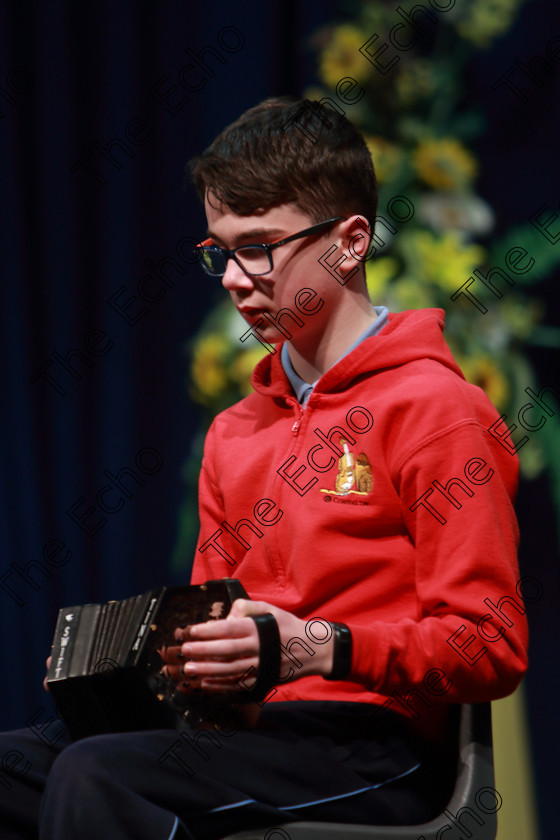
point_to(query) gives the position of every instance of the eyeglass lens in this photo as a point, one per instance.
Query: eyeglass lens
(253, 260)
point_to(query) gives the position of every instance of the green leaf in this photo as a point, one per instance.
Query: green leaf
(545, 255)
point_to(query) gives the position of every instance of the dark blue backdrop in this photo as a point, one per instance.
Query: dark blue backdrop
(96, 125)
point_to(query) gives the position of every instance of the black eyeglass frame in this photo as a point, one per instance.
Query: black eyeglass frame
(266, 247)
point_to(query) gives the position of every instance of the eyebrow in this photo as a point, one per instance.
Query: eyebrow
(257, 235)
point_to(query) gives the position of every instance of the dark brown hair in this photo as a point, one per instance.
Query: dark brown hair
(286, 151)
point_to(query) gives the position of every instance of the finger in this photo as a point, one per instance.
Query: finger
(224, 628)
(221, 685)
(182, 633)
(239, 609)
(236, 668)
(172, 655)
(173, 672)
(221, 649)
(48, 665)
(234, 653)
(243, 607)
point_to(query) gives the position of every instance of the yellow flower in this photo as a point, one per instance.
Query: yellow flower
(444, 260)
(208, 368)
(410, 293)
(486, 19)
(387, 158)
(482, 371)
(342, 57)
(416, 80)
(243, 365)
(379, 273)
(521, 316)
(444, 164)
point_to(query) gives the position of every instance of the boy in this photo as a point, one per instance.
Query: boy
(357, 495)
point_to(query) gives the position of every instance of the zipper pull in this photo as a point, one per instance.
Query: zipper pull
(297, 422)
(298, 411)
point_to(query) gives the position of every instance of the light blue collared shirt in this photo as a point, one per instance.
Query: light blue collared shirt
(303, 389)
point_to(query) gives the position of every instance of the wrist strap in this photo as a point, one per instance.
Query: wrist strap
(269, 655)
(342, 657)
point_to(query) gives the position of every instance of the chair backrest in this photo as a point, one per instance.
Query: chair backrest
(472, 806)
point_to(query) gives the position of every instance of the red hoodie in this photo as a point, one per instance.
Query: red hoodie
(384, 504)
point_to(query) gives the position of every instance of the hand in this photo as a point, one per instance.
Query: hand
(216, 655)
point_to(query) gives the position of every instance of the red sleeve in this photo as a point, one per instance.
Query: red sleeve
(471, 620)
(208, 564)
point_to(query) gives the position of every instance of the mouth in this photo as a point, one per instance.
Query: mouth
(251, 312)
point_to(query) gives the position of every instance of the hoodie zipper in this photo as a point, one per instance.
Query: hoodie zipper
(298, 411)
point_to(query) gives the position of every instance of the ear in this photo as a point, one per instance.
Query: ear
(358, 237)
(354, 238)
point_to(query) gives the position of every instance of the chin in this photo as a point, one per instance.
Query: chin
(266, 331)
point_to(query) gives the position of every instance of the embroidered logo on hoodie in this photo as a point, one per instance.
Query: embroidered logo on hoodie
(353, 478)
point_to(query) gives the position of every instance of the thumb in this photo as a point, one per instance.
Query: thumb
(243, 607)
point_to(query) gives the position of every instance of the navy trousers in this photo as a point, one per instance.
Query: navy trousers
(304, 760)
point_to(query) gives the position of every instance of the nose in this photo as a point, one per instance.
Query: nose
(235, 278)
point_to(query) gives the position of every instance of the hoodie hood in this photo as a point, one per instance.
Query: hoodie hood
(407, 337)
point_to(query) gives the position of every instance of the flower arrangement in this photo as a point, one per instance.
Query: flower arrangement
(420, 140)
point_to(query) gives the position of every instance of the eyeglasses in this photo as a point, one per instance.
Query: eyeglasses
(254, 260)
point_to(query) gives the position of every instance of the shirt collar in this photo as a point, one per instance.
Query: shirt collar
(303, 389)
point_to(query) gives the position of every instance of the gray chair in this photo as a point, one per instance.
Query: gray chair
(472, 806)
